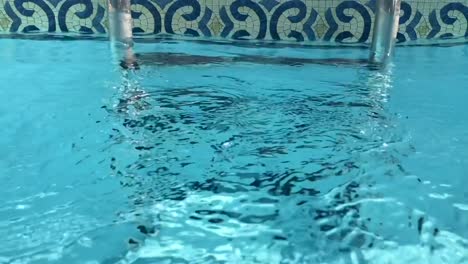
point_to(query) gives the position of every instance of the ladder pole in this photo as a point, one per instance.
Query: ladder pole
(386, 22)
(120, 32)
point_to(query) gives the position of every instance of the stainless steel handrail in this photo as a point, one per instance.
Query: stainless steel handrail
(386, 22)
(120, 32)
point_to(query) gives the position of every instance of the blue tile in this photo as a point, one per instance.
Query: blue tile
(203, 24)
(156, 16)
(269, 4)
(293, 19)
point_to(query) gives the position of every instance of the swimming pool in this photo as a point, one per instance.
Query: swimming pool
(288, 155)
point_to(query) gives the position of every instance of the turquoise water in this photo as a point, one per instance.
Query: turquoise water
(232, 161)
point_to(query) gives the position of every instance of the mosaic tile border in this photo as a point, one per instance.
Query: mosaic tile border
(343, 21)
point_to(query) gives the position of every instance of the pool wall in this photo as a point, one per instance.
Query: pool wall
(287, 20)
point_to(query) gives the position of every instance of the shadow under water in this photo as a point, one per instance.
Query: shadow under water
(182, 59)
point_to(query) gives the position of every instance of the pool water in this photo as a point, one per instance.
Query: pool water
(290, 155)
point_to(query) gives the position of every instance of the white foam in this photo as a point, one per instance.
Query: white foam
(463, 207)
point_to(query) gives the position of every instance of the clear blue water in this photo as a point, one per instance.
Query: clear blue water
(234, 162)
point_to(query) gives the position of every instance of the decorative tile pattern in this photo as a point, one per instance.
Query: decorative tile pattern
(433, 19)
(5, 21)
(344, 21)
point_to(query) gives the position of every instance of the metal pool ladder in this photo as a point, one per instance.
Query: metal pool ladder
(387, 14)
